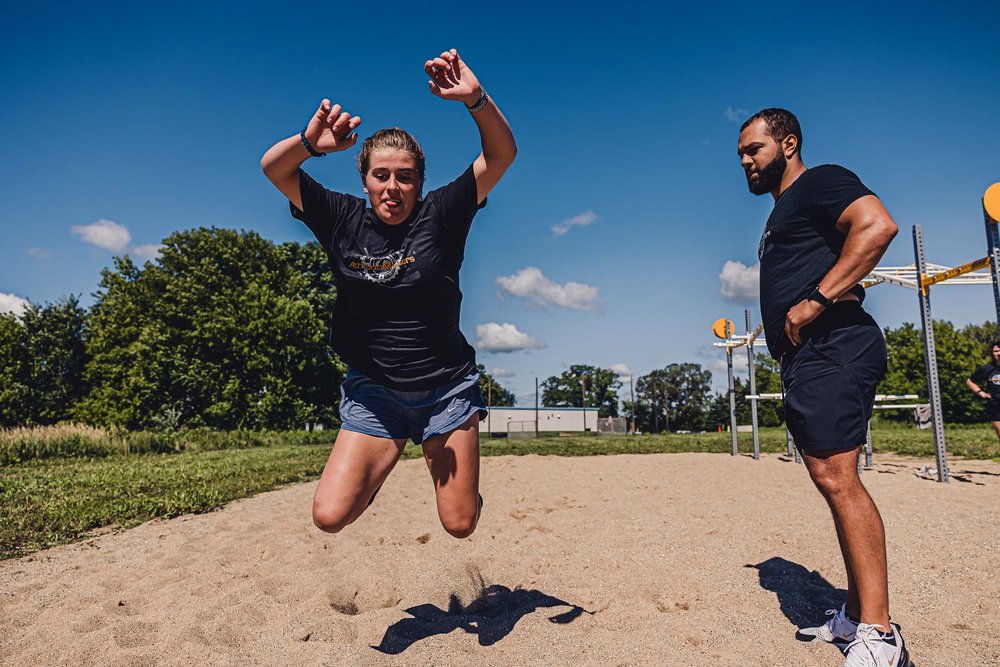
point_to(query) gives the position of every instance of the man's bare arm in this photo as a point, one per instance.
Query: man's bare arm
(869, 229)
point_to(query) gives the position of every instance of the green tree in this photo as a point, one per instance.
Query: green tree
(717, 413)
(984, 335)
(43, 357)
(767, 375)
(957, 353)
(493, 392)
(675, 397)
(15, 381)
(567, 390)
(224, 329)
(56, 358)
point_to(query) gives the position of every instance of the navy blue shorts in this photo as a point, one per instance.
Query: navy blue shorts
(830, 380)
(373, 409)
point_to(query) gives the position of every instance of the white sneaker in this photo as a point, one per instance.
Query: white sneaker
(838, 630)
(873, 648)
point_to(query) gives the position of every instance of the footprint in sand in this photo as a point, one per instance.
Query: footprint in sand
(341, 631)
(91, 624)
(349, 604)
(665, 606)
(132, 634)
(344, 604)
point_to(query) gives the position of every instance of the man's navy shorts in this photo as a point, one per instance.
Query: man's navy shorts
(373, 409)
(830, 380)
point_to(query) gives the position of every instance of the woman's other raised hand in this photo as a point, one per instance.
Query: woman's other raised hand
(330, 129)
(451, 78)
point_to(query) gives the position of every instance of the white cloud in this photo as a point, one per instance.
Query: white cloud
(501, 373)
(530, 283)
(149, 251)
(740, 364)
(11, 303)
(735, 115)
(104, 234)
(622, 370)
(740, 283)
(496, 337)
(40, 253)
(582, 220)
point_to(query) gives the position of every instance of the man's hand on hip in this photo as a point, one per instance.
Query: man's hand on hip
(801, 314)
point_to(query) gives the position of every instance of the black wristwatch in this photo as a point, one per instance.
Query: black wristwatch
(818, 297)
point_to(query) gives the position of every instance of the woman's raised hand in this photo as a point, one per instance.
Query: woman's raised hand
(330, 129)
(451, 78)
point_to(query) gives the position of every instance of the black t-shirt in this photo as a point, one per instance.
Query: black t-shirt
(398, 297)
(801, 243)
(987, 377)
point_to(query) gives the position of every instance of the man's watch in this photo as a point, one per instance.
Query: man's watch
(818, 297)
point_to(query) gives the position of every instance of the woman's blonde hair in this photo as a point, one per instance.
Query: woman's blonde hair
(394, 139)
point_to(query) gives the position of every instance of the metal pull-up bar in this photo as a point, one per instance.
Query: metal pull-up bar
(928, 280)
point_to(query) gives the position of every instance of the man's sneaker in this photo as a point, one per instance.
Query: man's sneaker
(873, 648)
(838, 630)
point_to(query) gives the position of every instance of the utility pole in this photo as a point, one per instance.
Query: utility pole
(666, 407)
(536, 407)
(489, 399)
(656, 412)
(583, 393)
(631, 389)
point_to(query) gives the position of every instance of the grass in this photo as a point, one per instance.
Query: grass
(61, 493)
(19, 445)
(971, 442)
(52, 502)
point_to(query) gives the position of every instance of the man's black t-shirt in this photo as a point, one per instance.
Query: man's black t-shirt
(987, 377)
(398, 298)
(801, 243)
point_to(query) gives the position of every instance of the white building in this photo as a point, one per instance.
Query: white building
(519, 420)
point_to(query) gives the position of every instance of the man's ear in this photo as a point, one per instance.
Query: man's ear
(790, 146)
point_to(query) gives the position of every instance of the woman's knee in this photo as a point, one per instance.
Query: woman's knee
(460, 527)
(332, 519)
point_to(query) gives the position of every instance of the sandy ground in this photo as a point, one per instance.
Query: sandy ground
(683, 559)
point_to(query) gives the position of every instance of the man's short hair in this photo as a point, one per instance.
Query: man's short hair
(780, 123)
(994, 344)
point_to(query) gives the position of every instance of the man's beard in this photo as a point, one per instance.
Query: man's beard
(769, 176)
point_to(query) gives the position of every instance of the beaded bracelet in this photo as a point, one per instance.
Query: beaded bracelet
(305, 142)
(480, 105)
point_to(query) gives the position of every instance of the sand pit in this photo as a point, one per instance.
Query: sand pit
(684, 559)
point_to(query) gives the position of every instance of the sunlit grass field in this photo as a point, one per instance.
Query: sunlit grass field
(60, 484)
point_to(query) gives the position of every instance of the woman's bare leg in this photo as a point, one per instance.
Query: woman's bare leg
(453, 460)
(357, 467)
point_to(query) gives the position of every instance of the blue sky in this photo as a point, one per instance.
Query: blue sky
(626, 118)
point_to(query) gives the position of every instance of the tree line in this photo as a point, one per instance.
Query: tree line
(229, 330)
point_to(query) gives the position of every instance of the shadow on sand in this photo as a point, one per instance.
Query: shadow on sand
(804, 596)
(492, 615)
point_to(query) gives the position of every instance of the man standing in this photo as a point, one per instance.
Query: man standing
(826, 233)
(989, 375)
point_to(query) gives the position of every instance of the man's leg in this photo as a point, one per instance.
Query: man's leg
(859, 529)
(853, 604)
(996, 428)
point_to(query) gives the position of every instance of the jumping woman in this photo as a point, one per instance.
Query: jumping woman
(395, 257)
